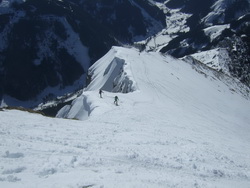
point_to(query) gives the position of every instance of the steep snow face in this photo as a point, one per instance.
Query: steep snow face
(194, 26)
(180, 126)
(214, 31)
(164, 80)
(222, 8)
(217, 59)
(176, 22)
(112, 73)
(218, 12)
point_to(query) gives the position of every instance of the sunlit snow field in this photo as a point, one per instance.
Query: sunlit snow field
(177, 127)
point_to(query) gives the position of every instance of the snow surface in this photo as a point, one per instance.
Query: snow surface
(214, 31)
(175, 19)
(175, 127)
(158, 41)
(217, 59)
(175, 23)
(217, 14)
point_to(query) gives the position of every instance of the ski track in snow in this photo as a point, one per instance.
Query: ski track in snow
(175, 130)
(115, 153)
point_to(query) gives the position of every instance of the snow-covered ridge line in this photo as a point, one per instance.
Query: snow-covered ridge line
(215, 71)
(181, 127)
(217, 59)
(214, 31)
(112, 73)
(124, 70)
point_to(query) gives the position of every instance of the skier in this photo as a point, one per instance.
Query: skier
(116, 101)
(100, 92)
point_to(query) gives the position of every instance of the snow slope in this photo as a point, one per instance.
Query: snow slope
(214, 31)
(175, 126)
(217, 59)
(217, 13)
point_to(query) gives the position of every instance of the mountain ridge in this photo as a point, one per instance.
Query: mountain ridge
(177, 124)
(48, 56)
(42, 45)
(119, 72)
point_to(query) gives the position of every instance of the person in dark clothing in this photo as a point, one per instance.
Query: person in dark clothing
(100, 93)
(116, 101)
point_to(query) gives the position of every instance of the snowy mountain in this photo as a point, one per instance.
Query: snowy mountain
(177, 124)
(115, 73)
(184, 101)
(47, 46)
(42, 51)
(198, 26)
(130, 21)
